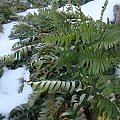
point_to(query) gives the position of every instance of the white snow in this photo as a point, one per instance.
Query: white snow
(5, 43)
(31, 11)
(66, 7)
(93, 9)
(9, 85)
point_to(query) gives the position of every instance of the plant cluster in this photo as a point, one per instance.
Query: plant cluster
(72, 61)
(37, 25)
(9, 8)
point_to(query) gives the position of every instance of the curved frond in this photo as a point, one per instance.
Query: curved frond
(51, 87)
(17, 55)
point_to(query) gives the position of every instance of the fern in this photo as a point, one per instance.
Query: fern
(72, 67)
(47, 109)
(51, 87)
(20, 112)
(16, 55)
(105, 106)
(22, 31)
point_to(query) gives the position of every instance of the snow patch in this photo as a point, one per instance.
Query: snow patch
(9, 84)
(31, 11)
(93, 9)
(5, 43)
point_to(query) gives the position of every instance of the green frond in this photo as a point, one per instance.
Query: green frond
(72, 61)
(34, 96)
(48, 109)
(53, 86)
(26, 42)
(108, 38)
(96, 61)
(20, 112)
(105, 107)
(108, 85)
(22, 31)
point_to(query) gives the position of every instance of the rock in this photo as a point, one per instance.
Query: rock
(116, 11)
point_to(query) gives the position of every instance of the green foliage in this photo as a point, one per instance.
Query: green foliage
(5, 11)
(9, 8)
(22, 31)
(74, 64)
(20, 6)
(20, 112)
(103, 104)
(37, 25)
(45, 21)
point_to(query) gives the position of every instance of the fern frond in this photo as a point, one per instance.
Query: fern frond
(48, 109)
(17, 55)
(103, 105)
(96, 61)
(108, 38)
(26, 42)
(23, 31)
(51, 87)
(108, 85)
(20, 112)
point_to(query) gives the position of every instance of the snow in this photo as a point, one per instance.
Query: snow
(5, 43)
(66, 7)
(9, 85)
(31, 11)
(93, 9)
